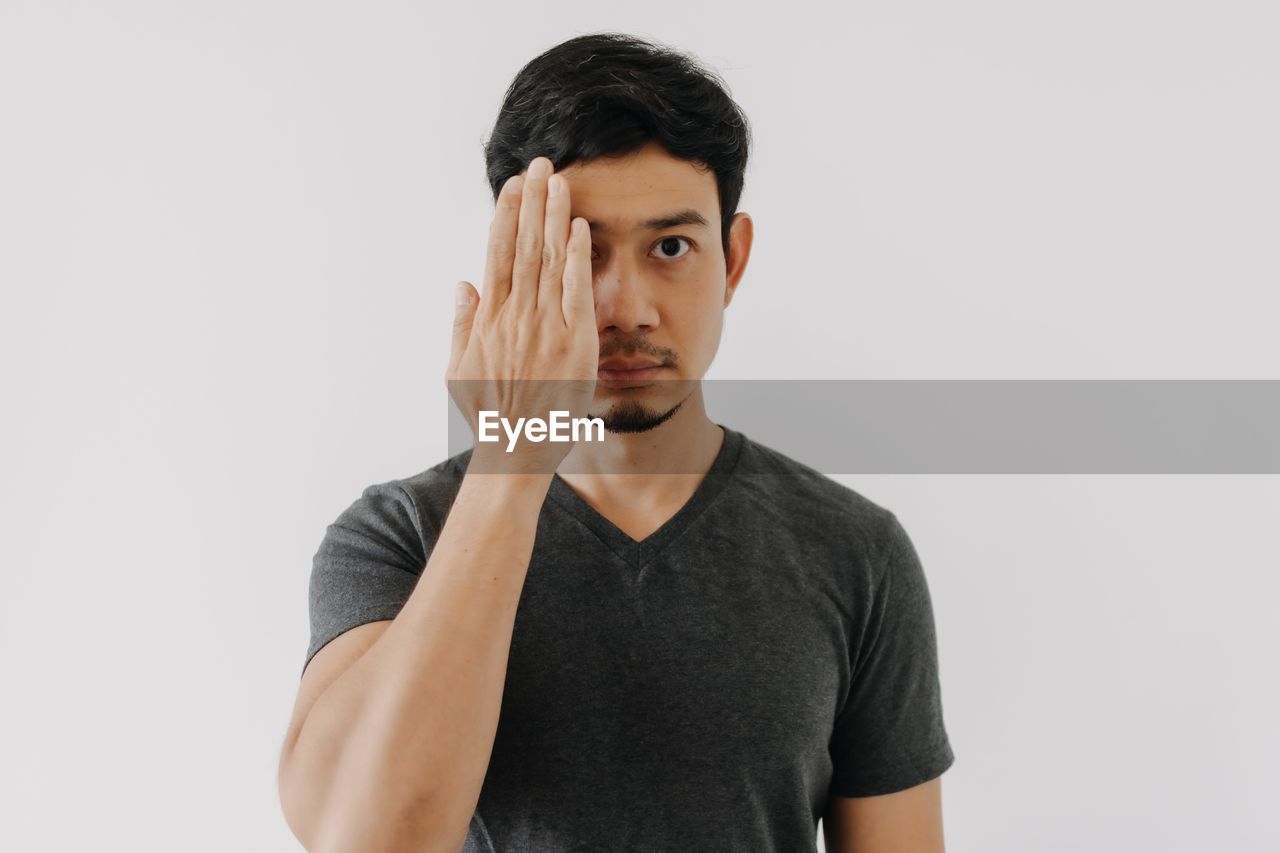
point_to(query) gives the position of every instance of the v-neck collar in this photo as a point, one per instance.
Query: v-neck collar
(639, 552)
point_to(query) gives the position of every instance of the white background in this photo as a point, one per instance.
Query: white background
(228, 236)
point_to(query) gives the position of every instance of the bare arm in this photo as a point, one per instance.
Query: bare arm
(908, 821)
(395, 722)
(396, 747)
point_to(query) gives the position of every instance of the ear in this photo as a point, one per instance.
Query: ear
(741, 231)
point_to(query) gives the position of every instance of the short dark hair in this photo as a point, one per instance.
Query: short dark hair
(610, 94)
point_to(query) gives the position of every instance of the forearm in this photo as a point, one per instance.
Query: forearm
(395, 751)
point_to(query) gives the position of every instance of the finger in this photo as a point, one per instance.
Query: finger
(464, 315)
(555, 237)
(528, 263)
(501, 252)
(579, 302)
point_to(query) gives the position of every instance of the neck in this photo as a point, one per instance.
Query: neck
(665, 458)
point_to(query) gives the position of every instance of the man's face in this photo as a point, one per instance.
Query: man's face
(660, 288)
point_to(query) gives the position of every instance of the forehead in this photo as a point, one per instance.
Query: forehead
(620, 193)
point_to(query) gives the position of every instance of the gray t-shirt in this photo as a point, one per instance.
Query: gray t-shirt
(703, 689)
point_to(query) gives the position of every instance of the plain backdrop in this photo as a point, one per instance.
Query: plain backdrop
(228, 236)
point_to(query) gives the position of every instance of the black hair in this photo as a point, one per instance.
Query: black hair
(610, 94)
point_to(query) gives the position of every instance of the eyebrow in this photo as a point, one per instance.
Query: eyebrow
(658, 223)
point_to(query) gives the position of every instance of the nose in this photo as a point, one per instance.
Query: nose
(624, 299)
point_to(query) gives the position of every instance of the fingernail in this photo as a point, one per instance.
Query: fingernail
(554, 185)
(461, 294)
(513, 185)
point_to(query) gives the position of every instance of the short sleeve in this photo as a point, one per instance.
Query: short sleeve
(367, 565)
(890, 734)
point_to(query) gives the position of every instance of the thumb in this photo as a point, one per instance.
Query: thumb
(465, 300)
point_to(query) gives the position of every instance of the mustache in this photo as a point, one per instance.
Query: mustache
(637, 346)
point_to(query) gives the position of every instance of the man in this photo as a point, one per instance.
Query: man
(557, 648)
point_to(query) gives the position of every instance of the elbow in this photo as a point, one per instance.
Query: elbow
(298, 804)
(321, 829)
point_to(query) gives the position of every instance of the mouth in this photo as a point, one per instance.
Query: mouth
(624, 373)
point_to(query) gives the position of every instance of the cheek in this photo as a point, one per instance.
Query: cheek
(696, 313)
(692, 302)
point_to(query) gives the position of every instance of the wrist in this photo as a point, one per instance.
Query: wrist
(535, 466)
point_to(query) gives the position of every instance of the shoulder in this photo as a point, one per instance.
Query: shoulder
(405, 508)
(430, 493)
(795, 494)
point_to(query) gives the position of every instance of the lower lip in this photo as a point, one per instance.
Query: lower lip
(642, 374)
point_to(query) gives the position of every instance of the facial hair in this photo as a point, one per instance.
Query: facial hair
(631, 416)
